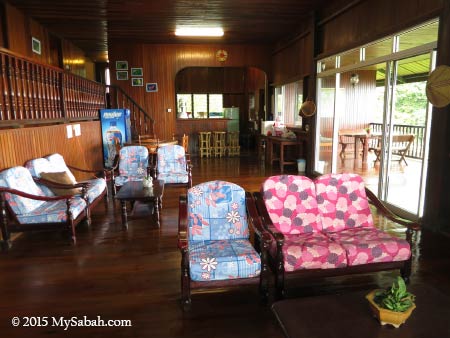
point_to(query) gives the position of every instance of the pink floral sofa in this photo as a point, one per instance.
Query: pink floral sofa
(325, 226)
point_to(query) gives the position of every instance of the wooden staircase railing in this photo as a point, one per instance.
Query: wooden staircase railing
(141, 122)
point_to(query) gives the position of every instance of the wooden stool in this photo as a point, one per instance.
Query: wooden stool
(219, 146)
(233, 143)
(204, 143)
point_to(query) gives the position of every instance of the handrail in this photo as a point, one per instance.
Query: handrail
(141, 122)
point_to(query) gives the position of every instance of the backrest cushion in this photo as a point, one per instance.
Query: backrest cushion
(19, 178)
(171, 159)
(291, 203)
(58, 164)
(133, 161)
(216, 211)
(342, 202)
(36, 167)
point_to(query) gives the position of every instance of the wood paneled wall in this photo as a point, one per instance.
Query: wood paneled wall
(369, 20)
(20, 145)
(161, 63)
(19, 31)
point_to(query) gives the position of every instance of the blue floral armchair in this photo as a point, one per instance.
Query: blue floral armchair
(213, 231)
(173, 166)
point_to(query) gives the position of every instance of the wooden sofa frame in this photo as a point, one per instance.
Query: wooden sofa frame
(9, 222)
(278, 266)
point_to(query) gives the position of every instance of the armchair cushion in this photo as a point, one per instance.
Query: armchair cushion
(223, 259)
(217, 211)
(171, 164)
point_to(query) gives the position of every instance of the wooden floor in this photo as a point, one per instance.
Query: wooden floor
(134, 275)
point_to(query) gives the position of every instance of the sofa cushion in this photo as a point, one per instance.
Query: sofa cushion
(174, 177)
(58, 164)
(342, 202)
(223, 259)
(365, 245)
(61, 178)
(311, 251)
(216, 211)
(133, 163)
(19, 178)
(291, 203)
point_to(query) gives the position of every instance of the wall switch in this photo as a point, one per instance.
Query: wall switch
(169, 110)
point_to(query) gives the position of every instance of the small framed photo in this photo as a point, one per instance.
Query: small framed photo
(36, 45)
(137, 81)
(151, 87)
(136, 71)
(121, 65)
(122, 75)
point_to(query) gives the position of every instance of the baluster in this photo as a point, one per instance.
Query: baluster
(6, 108)
(28, 71)
(18, 85)
(36, 94)
(23, 76)
(45, 82)
(12, 89)
(42, 110)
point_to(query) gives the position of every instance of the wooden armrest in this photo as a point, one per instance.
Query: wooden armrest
(182, 223)
(266, 221)
(35, 197)
(255, 220)
(373, 199)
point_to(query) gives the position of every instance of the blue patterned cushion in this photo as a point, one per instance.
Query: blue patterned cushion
(172, 163)
(226, 259)
(96, 187)
(58, 164)
(132, 165)
(216, 211)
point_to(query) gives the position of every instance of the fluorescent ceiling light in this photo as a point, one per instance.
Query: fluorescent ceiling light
(199, 31)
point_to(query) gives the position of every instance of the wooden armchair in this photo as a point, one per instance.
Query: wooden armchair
(173, 166)
(214, 240)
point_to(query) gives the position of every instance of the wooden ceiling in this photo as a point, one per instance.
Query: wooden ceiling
(91, 24)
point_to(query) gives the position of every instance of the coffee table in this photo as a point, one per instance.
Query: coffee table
(135, 191)
(349, 316)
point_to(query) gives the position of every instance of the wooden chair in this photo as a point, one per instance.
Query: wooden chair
(185, 143)
(214, 240)
(400, 146)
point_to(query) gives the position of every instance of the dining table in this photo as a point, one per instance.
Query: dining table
(361, 137)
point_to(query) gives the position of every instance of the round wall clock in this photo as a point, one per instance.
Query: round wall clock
(221, 55)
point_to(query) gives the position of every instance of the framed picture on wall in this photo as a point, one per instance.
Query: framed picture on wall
(36, 45)
(122, 75)
(136, 71)
(151, 87)
(121, 65)
(137, 82)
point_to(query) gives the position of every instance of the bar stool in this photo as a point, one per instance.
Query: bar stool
(219, 146)
(204, 143)
(233, 143)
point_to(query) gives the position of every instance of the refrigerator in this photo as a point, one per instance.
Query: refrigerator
(232, 114)
(116, 131)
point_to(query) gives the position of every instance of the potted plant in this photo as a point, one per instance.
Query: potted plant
(147, 182)
(393, 305)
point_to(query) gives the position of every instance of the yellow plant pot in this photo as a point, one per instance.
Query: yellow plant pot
(386, 316)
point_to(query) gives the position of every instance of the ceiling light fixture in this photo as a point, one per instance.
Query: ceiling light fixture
(199, 31)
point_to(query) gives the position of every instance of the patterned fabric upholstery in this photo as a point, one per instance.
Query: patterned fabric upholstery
(55, 163)
(291, 203)
(342, 202)
(133, 163)
(172, 164)
(218, 233)
(327, 223)
(369, 245)
(34, 211)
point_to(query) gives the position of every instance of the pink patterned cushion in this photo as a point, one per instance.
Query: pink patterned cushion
(368, 245)
(312, 251)
(291, 203)
(342, 202)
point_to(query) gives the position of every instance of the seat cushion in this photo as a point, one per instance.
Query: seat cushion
(180, 177)
(311, 251)
(365, 245)
(291, 203)
(223, 259)
(96, 187)
(342, 202)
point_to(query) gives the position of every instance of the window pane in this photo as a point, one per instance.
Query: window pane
(419, 36)
(184, 106)
(350, 58)
(200, 106)
(380, 48)
(216, 105)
